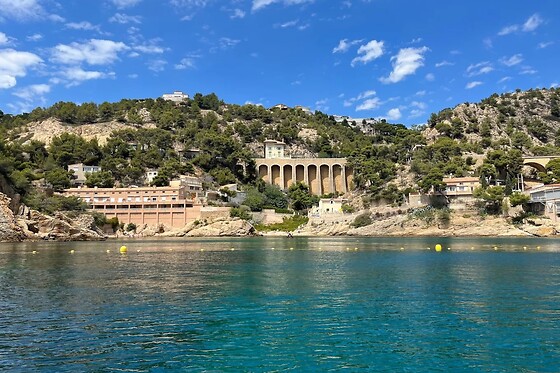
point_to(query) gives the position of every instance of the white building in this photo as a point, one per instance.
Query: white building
(176, 96)
(151, 175)
(191, 184)
(328, 206)
(274, 149)
(80, 171)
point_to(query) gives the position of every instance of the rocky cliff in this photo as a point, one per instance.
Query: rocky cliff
(32, 225)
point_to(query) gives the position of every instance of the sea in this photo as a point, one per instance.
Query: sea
(278, 304)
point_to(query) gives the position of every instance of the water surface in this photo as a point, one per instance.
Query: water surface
(277, 304)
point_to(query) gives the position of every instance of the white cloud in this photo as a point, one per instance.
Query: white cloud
(369, 52)
(366, 94)
(444, 63)
(471, 85)
(157, 65)
(513, 60)
(224, 44)
(504, 79)
(94, 52)
(14, 64)
(488, 43)
(418, 104)
(369, 104)
(259, 4)
(480, 68)
(405, 63)
(430, 77)
(189, 3)
(288, 24)
(394, 114)
(508, 30)
(151, 47)
(34, 37)
(188, 62)
(33, 92)
(527, 70)
(532, 23)
(125, 18)
(344, 45)
(76, 75)
(543, 45)
(3, 39)
(421, 93)
(237, 13)
(125, 3)
(84, 25)
(24, 10)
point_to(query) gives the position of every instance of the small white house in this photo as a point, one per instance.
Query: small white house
(274, 149)
(328, 206)
(176, 96)
(80, 170)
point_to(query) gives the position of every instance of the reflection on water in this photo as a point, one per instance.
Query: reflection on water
(262, 304)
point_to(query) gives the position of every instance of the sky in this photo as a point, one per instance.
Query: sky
(398, 60)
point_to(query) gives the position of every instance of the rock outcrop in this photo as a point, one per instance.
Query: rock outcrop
(9, 229)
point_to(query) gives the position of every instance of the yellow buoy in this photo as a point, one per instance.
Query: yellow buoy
(72, 251)
(108, 251)
(495, 248)
(438, 247)
(34, 252)
(448, 248)
(232, 249)
(123, 249)
(538, 247)
(355, 249)
(201, 249)
(291, 248)
(320, 248)
(402, 248)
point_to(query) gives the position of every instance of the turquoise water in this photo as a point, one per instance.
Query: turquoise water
(326, 305)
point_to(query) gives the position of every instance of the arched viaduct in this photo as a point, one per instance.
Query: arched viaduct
(539, 162)
(322, 175)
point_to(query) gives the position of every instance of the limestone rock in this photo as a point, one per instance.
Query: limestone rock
(222, 227)
(9, 229)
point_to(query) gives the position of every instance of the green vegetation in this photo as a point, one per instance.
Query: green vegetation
(288, 225)
(362, 220)
(500, 130)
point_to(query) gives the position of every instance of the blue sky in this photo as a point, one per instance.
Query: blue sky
(400, 60)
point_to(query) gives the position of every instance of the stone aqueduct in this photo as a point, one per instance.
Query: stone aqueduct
(322, 175)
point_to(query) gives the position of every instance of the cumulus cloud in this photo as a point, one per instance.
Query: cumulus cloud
(125, 3)
(34, 37)
(480, 68)
(259, 4)
(30, 92)
(531, 24)
(25, 10)
(76, 75)
(188, 62)
(513, 60)
(394, 114)
(93, 52)
(123, 19)
(471, 85)
(14, 64)
(369, 52)
(322, 105)
(369, 104)
(344, 45)
(84, 25)
(405, 63)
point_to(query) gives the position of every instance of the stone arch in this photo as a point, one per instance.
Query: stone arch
(539, 167)
(288, 176)
(276, 173)
(314, 182)
(338, 176)
(300, 173)
(349, 175)
(325, 179)
(263, 172)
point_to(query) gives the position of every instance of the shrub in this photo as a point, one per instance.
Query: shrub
(130, 227)
(242, 212)
(362, 220)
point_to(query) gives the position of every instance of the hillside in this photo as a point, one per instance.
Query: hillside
(206, 137)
